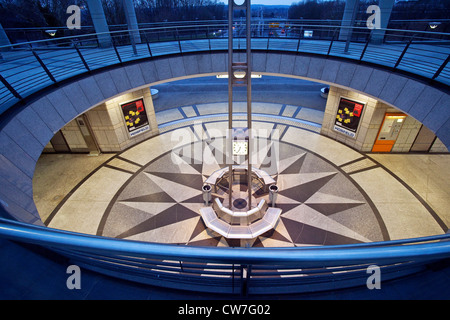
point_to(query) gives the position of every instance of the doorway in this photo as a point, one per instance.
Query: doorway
(59, 143)
(389, 131)
(424, 140)
(88, 135)
(76, 137)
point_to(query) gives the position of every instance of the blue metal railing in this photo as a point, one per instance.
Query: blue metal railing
(236, 270)
(26, 68)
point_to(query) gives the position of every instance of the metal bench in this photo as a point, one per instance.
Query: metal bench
(268, 221)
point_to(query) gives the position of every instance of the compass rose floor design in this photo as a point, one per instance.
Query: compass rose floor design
(320, 205)
(329, 194)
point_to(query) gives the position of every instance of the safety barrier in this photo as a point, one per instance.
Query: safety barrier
(26, 68)
(237, 270)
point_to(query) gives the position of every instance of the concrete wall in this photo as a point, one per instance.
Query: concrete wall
(365, 134)
(24, 135)
(370, 123)
(108, 125)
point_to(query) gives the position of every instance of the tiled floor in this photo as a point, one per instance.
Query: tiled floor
(329, 193)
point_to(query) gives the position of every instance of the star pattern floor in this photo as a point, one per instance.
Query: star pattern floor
(321, 206)
(329, 193)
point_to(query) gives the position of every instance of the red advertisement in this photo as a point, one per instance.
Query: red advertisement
(347, 117)
(135, 117)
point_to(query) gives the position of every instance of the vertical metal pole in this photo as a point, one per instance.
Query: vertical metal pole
(249, 102)
(230, 98)
(240, 82)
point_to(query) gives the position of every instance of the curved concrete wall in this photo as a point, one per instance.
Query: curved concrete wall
(24, 136)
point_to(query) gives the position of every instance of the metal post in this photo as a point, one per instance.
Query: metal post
(148, 45)
(366, 45)
(206, 193)
(438, 72)
(10, 88)
(403, 52)
(81, 56)
(273, 193)
(117, 51)
(230, 99)
(43, 65)
(249, 102)
(243, 82)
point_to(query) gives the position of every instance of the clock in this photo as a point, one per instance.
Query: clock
(240, 147)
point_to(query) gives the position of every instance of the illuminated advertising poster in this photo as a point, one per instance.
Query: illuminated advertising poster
(348, 116)
(135, 117)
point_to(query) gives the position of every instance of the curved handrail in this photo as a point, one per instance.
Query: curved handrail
(418, 249)
(418, 53)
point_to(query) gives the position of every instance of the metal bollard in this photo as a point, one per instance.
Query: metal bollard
(206, 189)
(273, 193)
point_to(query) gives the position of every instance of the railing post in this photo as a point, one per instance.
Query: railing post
(299, 39)
(148, 45)
(242, 281)
(403, 52)
(245, 277)
(247, 280)
(177, 37)
(181, 266)
(443, 65)
(232, 279)
(117, 52)
(10, 88)
(365, 47)
(43, 65)
(81, 56)
(332, 41)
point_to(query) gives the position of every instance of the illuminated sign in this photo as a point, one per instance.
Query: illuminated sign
(348, 116)
(135, 117)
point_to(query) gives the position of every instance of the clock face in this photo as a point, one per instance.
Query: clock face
(240, 147)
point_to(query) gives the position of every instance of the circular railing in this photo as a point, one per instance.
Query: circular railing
(28, 67)
(237, 270)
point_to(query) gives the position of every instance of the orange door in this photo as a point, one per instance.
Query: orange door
(389, 130)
